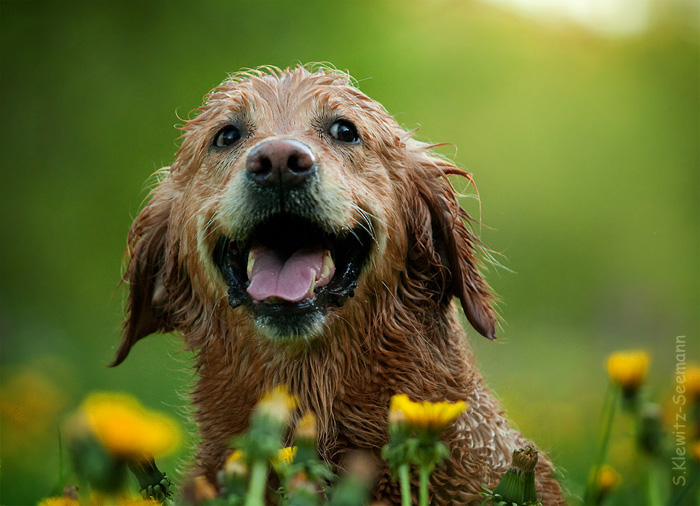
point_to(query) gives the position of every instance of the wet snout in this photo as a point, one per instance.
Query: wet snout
(280, 163)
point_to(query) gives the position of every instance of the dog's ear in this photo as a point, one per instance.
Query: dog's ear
(145, 275)
(443, 247)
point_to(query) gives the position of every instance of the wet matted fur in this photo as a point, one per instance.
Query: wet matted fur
(275, 159)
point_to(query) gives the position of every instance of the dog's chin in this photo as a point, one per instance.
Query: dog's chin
(291, 329)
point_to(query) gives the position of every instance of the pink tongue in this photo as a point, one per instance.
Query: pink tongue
(290, 279)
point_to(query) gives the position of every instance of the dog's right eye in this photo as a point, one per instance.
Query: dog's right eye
(227, 136)
(344, 131)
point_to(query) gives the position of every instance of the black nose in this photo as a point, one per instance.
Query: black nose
(280, 162)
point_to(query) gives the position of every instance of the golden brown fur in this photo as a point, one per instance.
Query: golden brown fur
(399, 333)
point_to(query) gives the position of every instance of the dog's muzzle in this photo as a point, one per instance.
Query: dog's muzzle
(293, 265)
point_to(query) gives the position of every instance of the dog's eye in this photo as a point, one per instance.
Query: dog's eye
(227, 136)
(344, 131)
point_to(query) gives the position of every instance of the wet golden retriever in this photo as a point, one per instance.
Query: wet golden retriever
(302, 237)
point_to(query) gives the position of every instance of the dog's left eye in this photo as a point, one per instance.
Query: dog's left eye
(344, 131)
(227, 136)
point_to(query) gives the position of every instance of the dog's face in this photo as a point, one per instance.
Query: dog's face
(293, 192)
(293, 213)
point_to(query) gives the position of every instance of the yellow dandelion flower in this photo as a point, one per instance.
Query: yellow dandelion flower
(285, 456)
(300, 486)
(127, 429)
(628, 369)
(235, 455)
(203, 490)
(59, 501)
(431, 416)
(695, 450)
(608, 480)
(396, 416)
(278, 403)
(280, 394)
(29, 405)
(306, 427)
(136, 501)
(692, 382)
(142, 502)
(235, 464)
(100, 499)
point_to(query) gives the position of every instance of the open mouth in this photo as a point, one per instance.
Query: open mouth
(291, 266)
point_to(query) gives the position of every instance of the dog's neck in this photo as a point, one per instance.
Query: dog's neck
(346, 377)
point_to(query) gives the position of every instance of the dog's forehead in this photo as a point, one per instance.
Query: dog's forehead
(290, 94)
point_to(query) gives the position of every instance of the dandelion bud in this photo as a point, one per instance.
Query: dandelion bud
(277, 404)
(91, 461)
(692, 383)
(607, 481)
(233, 477)
(525, 459)
(302, 492)
(353, 488)
(203, 490)
(299, 480)
(306, 427)
(695, 450)
(284, 457)
(396, 417)
(235, 464)
(361, 466)
(70, 491)
(518, 484)
(268, 423)
(398, 429)
(650, 429)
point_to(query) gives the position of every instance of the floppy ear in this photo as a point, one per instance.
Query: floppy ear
(145, 274)
(444, 245)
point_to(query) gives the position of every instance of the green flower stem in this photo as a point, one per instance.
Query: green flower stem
(607, 419)
(643, 431)
(424, 481)
(405, 480)
(258, 482)
(683, 494)
(61, 479)
(653, 485)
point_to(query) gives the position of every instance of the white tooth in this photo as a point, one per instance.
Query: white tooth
(251, 261)
(310, 293)
(327, 263)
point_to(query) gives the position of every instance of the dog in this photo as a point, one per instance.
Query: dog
(302, 237)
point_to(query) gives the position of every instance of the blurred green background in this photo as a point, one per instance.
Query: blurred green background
(584, 144)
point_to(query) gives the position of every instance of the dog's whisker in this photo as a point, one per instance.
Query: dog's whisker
(371, 218)
(204, 204)
(208, 227)
(366, 223)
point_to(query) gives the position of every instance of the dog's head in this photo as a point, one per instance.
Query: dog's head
(291, 192)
